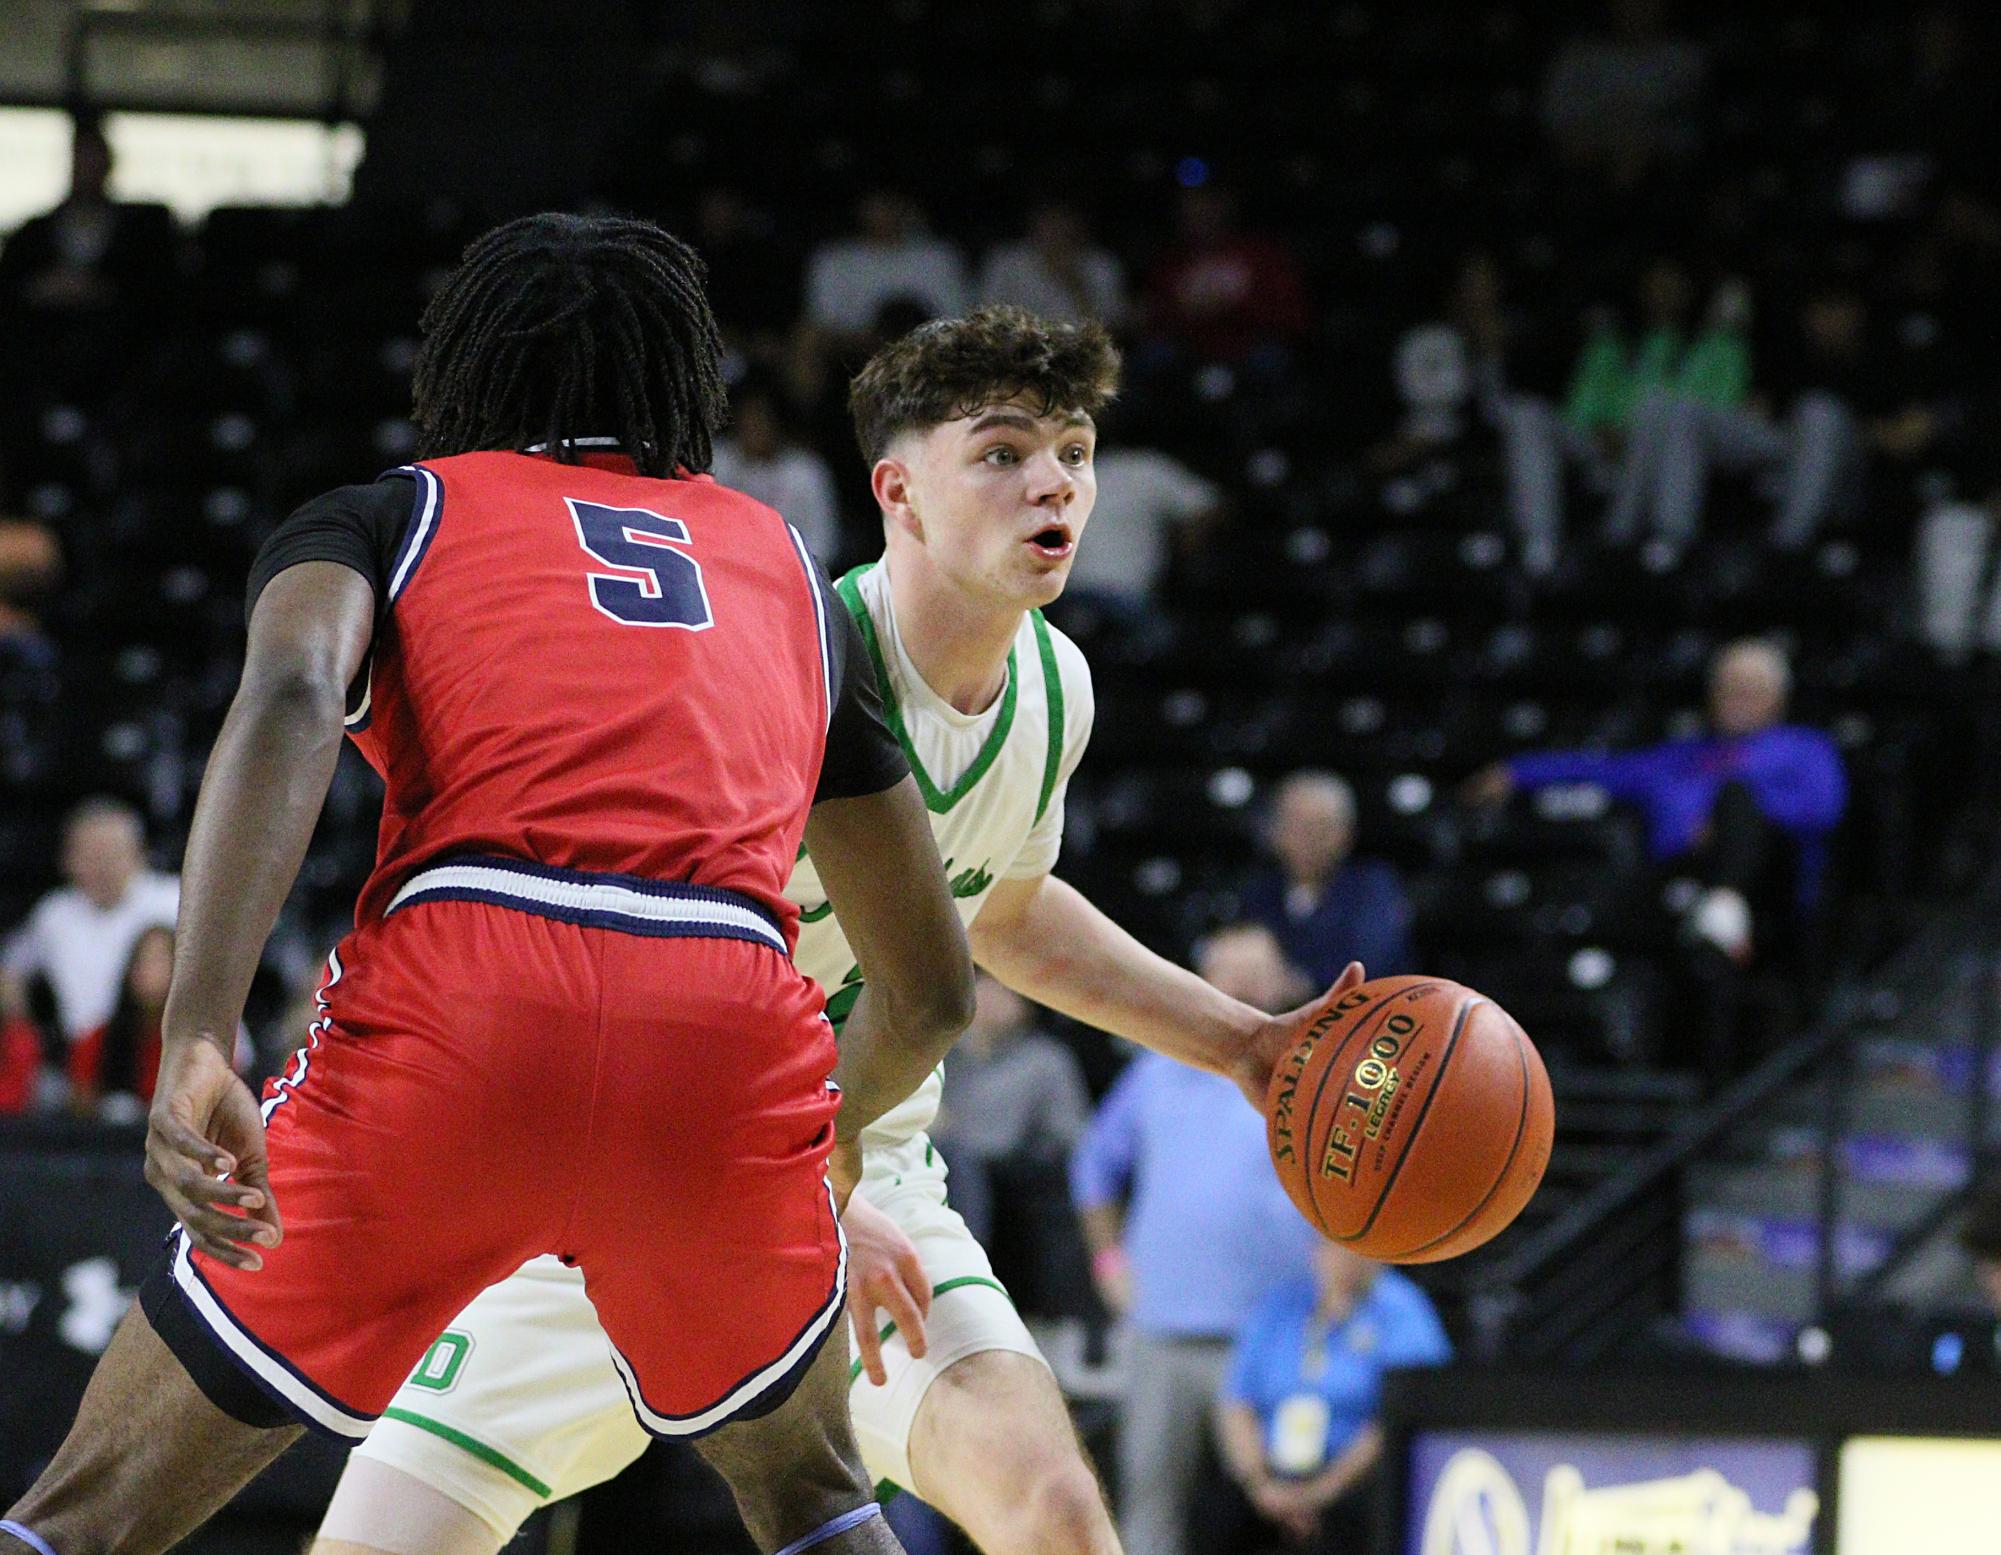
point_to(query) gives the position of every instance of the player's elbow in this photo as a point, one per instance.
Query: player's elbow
(949, 1009)
(292, 690)
(937, 1004)
(957, 1011)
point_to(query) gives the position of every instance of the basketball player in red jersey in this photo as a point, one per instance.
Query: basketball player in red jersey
(604, 694)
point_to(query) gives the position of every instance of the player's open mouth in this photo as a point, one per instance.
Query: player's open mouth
(1053, 542)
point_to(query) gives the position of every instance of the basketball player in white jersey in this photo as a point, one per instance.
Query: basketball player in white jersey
(980, 438)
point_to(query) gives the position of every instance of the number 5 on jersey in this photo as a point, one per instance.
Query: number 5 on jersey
(655, 584)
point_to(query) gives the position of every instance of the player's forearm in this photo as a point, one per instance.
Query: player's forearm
(888, 1050)
(1062, 952)
(260, 799)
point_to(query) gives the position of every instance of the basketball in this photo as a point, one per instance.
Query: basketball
(1412, 1120)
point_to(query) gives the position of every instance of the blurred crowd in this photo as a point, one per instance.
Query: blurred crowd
(1658, 360)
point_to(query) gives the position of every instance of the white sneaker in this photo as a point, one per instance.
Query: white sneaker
(1723, 917)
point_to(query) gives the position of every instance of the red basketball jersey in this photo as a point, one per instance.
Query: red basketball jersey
(587, 669)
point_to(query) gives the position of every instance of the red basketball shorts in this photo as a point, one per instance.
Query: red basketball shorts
(518, 1061)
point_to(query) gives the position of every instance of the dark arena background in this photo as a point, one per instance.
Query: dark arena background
(1491, 370)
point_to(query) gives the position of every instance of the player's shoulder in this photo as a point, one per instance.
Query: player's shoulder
(389, 490)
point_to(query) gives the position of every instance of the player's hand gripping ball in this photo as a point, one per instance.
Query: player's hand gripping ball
(1412, 1120)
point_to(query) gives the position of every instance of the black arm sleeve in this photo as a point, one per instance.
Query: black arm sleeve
(862, 755)
(357, 526)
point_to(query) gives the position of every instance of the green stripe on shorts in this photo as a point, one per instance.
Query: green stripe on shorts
(855, 1370)
(479, 1450)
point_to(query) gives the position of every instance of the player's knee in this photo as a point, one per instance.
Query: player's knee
(1063, 1509)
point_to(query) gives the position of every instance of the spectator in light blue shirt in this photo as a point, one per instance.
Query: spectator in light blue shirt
(1206, 1232)
(1297, 1419)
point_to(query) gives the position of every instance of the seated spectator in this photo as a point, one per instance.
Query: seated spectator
(1747, 810)
(1325, 906)
(1479, 310)
(892, 258)
(1619, 103)
(1471, 366)
(113, 1068)
(1205, 1233)
(1222, 294)
(759, 457)
(1432, 370)
(1297, 1422)
(1149, 505)
(1667, 356)
(1806, 433)
(1057, 272)
(1012, 1095)
(87, 252)
(1719, 804)
(1957, 582)
(80, 937)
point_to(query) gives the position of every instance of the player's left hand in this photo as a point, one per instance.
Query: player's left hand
(884, 1273)
(1274, 1039)
(205, 1155)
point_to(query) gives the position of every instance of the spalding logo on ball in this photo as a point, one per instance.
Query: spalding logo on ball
(1412, 1120)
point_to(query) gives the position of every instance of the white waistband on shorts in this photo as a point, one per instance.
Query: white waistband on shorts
(661, 909)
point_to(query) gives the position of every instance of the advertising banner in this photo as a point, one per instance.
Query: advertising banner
(79, 1229)
(1906, 1495)
(1532, 1493)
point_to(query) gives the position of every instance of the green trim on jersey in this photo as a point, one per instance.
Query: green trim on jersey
(479, 1450)
(938, 1290)
(937, 800)
(1052, 696)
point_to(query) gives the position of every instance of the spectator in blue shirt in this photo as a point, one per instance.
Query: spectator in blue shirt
(1325, 906)
(1719, 804)
(1205, 1233)
(1297, 1419)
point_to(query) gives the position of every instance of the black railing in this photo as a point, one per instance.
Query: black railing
(1606, 1267)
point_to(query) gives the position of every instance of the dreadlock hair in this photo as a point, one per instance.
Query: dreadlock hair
(556, 327)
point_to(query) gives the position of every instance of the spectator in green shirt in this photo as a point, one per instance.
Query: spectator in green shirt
(1616, 372)
(1668, 355)
(1802, 439)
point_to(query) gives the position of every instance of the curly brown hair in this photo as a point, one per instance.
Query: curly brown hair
(950, 368)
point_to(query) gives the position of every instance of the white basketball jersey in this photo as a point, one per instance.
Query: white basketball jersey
(994, 782)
